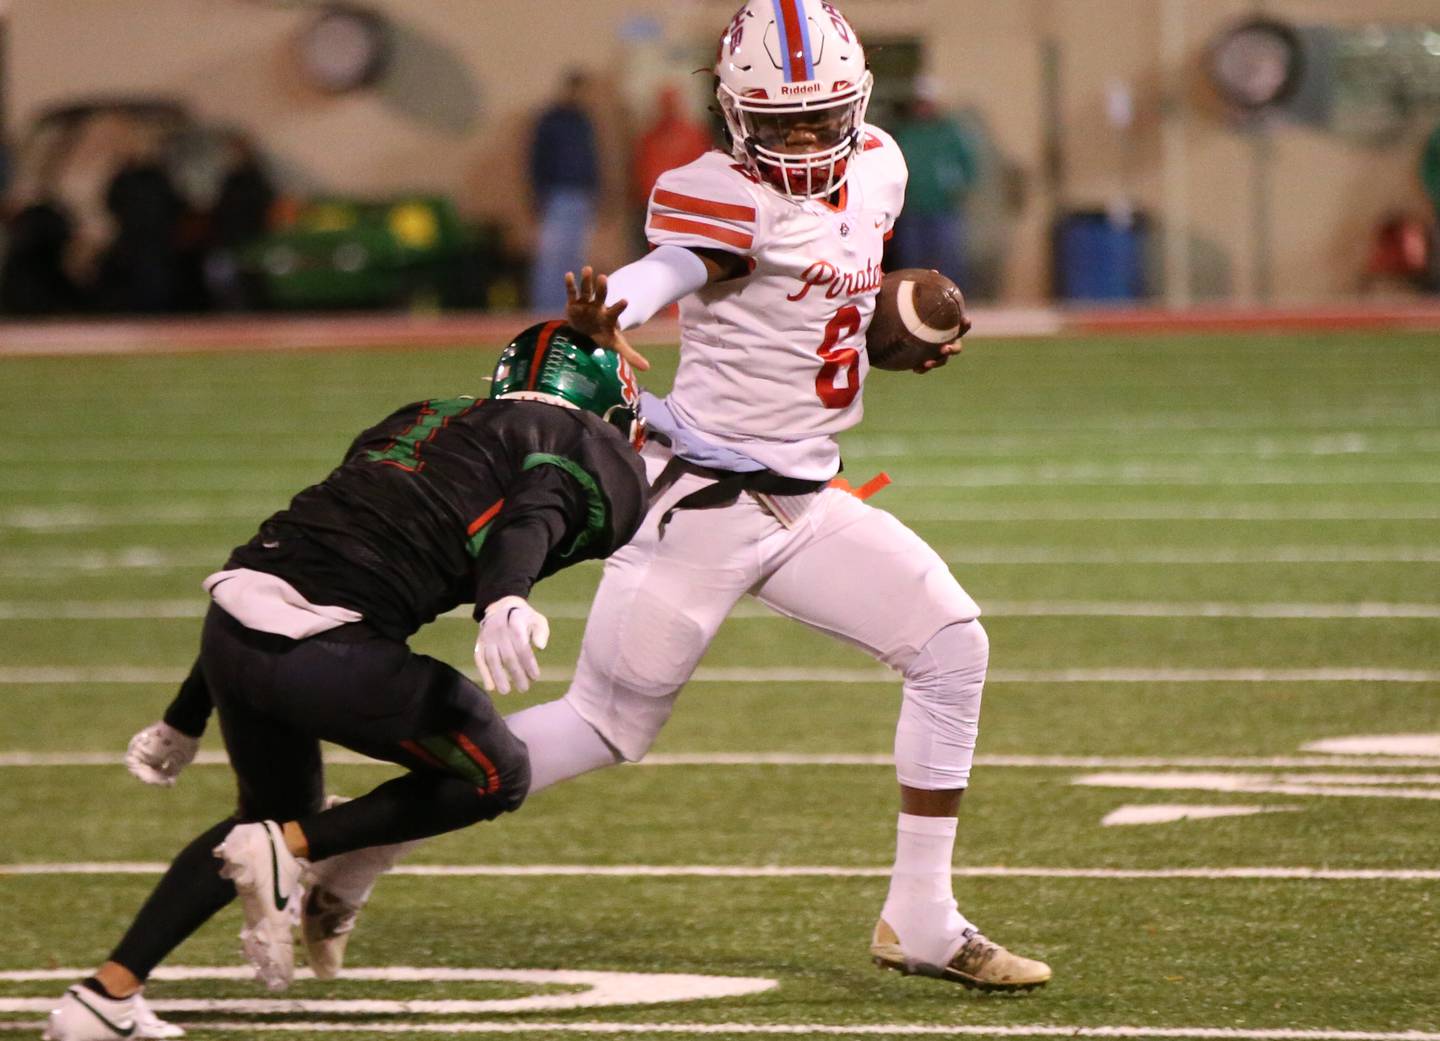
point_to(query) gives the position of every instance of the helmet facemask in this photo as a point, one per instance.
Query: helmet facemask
(800, 148)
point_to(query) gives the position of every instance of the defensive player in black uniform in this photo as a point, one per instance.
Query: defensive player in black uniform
(445, 502)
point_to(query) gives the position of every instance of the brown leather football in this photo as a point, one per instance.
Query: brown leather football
(916, 313)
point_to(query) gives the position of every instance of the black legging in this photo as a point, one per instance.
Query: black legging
(277, 699)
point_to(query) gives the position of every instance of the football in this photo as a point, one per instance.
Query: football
(917, 312)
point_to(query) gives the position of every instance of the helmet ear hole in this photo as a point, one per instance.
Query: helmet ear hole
(626, 420)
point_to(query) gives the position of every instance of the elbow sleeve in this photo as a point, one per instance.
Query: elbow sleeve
(655, 281)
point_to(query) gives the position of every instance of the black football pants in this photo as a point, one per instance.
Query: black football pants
(277, 699)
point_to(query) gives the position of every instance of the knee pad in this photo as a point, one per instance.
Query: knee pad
(512, 767)
(950, 661)
(940, 713)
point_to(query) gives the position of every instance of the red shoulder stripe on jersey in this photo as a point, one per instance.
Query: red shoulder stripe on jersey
(704, 207)
(541, 343)
(871, 141)
(739, 239)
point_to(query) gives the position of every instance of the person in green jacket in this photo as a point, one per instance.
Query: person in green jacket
(944, 164)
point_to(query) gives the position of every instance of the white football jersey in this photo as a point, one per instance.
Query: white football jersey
(771, 364)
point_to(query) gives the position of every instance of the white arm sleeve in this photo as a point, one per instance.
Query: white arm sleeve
(654, 281)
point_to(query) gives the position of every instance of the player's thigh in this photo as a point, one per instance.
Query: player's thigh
(858, 573)
(278, 769)
(660, 602)
(375, 696)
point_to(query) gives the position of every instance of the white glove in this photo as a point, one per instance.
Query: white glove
(159, 752)
(502, 650)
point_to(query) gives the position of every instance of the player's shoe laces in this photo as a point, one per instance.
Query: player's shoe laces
(267, 878)
(979, 964)
(84, 1015)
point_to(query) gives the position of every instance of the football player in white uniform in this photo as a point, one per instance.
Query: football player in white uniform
(773, 252)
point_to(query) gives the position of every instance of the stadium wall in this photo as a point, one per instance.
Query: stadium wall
(1289, 220)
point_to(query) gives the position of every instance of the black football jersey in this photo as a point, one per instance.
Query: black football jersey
(448, 502)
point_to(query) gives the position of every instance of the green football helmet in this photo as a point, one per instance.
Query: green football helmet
(555, 363)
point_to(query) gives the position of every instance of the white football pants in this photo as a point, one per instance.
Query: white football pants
(846, 569)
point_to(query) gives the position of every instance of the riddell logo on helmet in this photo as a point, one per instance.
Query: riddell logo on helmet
(789, 91)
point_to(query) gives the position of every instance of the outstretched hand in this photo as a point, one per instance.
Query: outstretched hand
(585, 311)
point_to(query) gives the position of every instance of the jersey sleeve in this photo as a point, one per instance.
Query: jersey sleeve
(545, 510)
(563, 509)
(706, 204)
(190, 710)
(879, 148)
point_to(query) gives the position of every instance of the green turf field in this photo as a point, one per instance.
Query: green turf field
(1197, 556)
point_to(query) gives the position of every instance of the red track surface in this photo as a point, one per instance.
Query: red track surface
(358, 331)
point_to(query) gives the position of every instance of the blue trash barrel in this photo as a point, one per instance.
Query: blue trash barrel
(1098, 258)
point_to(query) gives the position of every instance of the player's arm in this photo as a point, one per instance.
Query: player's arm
(545, 511)
(158, 753)
(704, 225)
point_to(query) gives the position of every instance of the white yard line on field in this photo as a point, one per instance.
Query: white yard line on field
(594, 989)
(1128, 475)
(939, 474)
(1283, 874)
(1003, 555)
(85, 518)
(794, 1030)
(109, 675)
(339, 756)
(575, 610)
(21, 564)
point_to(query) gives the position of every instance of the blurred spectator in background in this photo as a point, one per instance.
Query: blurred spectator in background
(943, 165)
(34, 280)
(141, 271)
(239, 216)
(565, 181)
(1430, 177)
(40, 231)
(672, 140)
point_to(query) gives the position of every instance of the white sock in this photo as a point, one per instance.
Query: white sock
(921, 904)
(352, 876)
(562, 745)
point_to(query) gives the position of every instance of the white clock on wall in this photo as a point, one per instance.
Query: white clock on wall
(344, 48)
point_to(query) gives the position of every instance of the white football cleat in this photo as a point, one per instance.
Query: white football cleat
(979, 964)
(267, 878)
(339, 887)
(149, 1025)
(325, 925)
(83, 1015)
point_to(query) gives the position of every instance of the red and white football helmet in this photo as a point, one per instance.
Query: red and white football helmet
(793, 88)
